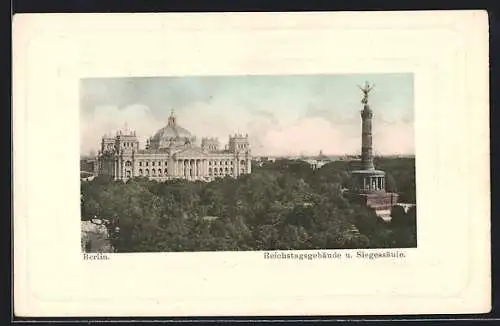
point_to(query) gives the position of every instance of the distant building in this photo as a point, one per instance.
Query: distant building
(89, 165)
(171, 153)
(86, 176)
(316, 164)
(349, 158)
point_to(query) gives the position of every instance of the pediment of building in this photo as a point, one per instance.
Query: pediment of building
(189, 153)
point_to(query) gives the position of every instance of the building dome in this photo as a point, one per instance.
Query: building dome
(171, 133)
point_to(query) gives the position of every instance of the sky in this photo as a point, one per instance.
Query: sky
(282, 114)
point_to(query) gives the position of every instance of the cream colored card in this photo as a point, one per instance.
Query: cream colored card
(446, 52)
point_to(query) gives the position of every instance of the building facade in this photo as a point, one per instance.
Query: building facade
(171, 153)
(315, 164)
(88, 165)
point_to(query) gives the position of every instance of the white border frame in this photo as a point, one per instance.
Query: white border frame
(449, 272)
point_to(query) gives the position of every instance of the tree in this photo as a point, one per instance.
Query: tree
(372, 226)
(412, 216)
(90, 208)
(398, 216)
(404, 227)
(281, 205)
(391, 185)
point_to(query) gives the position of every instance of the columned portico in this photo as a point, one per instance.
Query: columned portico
(192, 168)
(369, 180)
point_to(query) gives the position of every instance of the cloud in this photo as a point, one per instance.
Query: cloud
(268, 134)
(270, 116)
(396, 137)
(280, 118)
(210, 119)
(308, 136)
(108, 119)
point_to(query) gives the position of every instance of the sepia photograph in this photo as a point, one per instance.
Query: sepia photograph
(243, 163)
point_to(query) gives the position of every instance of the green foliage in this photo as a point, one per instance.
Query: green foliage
(404, 226)
(400, 176)
(281, 205)
(398, 215)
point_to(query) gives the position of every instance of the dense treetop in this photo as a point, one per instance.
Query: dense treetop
(280, 205)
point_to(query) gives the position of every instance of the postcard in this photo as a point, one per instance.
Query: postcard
(251, 164)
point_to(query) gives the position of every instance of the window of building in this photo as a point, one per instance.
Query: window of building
(153, 163)
(140, 171)
(232, 163)
(147, 171)
(153, 172)
(226, 163)
(209, 162)
(165, 171)
(140, 163)
(220, 170)
(147, 163)
(242, 162)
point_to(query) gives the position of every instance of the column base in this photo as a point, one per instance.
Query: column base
(379, 201)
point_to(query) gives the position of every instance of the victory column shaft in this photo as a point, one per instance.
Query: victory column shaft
(366, 131)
